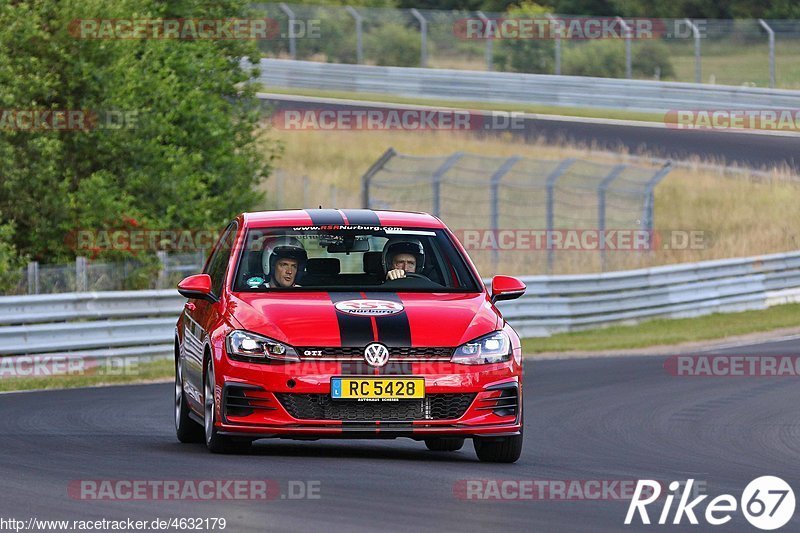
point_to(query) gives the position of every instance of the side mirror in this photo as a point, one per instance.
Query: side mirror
(197, 286)
(506, 288)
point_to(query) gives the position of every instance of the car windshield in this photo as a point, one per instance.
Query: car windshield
(349, 258)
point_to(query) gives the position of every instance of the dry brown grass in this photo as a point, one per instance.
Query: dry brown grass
(742, 216)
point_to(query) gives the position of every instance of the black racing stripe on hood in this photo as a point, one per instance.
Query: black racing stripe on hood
(353, 330)
(393, 330)
(325, 217)
(362, 217)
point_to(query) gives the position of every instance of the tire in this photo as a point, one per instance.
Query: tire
(215, 442)
(444, 444)
(186, 429)
(498, 450)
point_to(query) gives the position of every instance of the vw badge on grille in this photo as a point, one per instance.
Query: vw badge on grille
(376, 354)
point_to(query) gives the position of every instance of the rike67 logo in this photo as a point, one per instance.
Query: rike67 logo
(767, 503)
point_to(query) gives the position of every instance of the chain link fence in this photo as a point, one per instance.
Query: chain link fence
(483, 197)
(84, 274)
(733, 52)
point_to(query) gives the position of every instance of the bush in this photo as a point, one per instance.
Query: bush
(392, 44)
(10, 261)
(605, 58)
(526, 55)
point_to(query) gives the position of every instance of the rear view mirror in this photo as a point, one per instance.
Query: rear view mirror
(506, 288)
(197, 286)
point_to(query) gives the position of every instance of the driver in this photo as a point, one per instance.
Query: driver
(403, 257)
(282, 259)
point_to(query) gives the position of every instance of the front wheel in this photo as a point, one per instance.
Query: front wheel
(498, 449)
(215, 442)
(186, 429)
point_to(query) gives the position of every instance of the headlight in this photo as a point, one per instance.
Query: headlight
(492, 348)
(248, 346)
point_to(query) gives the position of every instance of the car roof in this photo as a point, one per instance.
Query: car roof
(364, 217)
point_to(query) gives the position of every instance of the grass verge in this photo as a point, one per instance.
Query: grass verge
(668, 331)
(140, 373)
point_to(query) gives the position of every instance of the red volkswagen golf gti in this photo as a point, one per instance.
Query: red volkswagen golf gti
(317, 323)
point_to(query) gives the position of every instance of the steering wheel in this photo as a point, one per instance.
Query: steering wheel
(413, 275)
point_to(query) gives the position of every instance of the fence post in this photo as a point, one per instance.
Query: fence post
(164, 270)
(627, 34)
(279, 190)
(504, 169)
(698, 78)
(771, 52)
(436, 182)
(81, 281)
(359, 33)
(489, 41)
(550, 185)
(33, 277)
(601, 209)
(292, 41)
(370, 173)
(423, 30)
(649, 200)
(557, 26)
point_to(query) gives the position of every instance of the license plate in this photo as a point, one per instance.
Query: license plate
(377, 388)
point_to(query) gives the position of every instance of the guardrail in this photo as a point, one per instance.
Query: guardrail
(142, 322)
(504, 87)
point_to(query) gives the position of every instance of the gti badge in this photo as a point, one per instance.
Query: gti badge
(376, 354)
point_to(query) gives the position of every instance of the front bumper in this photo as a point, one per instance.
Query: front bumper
(261, 401)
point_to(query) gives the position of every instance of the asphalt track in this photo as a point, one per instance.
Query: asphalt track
(745, 149)
(586, 419)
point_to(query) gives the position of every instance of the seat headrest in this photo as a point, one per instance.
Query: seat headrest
(327, 266)
(372, 263)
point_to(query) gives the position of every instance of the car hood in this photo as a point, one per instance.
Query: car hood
(417, 319)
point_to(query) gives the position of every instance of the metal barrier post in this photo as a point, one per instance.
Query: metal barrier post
(292, 41)
(557, 29)
(507, 165)
(601, 208)
(370, 173)
(698, 78)
(33, 277)
(81, 281)
(489, 53)
(550, 186)
(164, 270)
(423, 30)
(437, 180)
(649, 201)
(771, 34)
(359, 33)
(627, 34)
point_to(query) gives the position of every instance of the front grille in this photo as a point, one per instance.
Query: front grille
(345, 352)
(322, 407)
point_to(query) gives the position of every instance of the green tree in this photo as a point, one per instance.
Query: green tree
(526, 55)
(187, 156)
